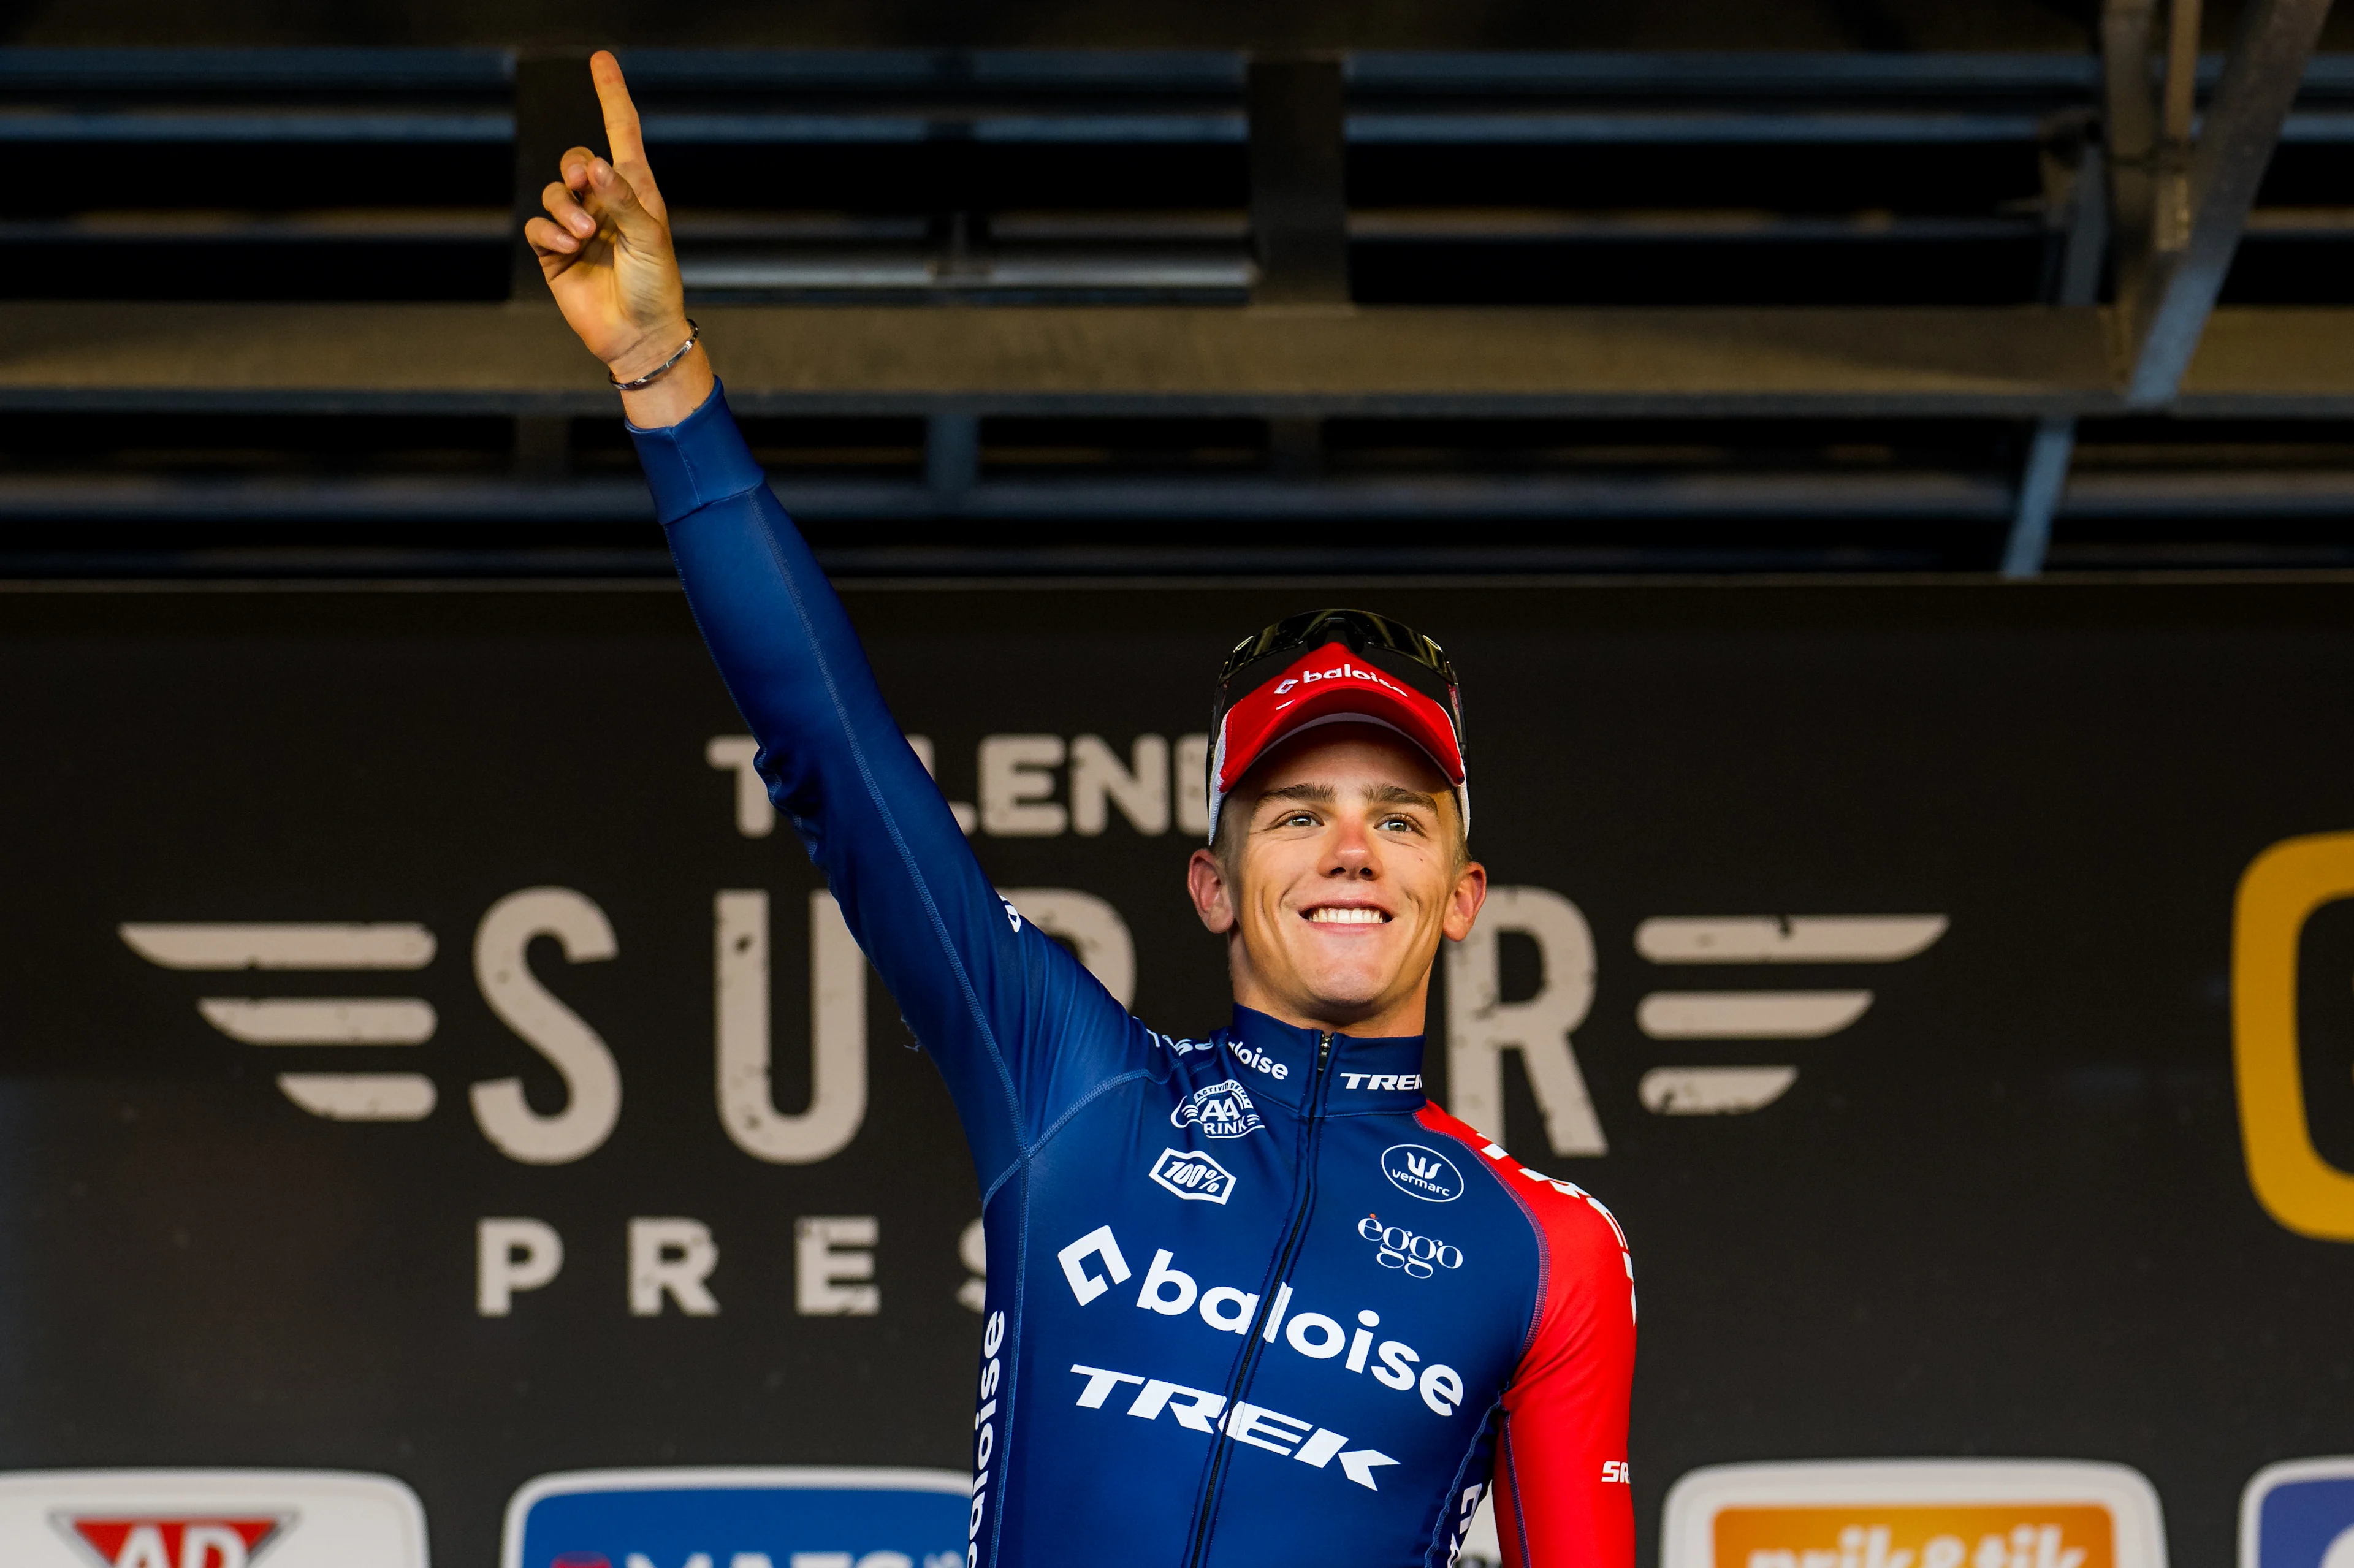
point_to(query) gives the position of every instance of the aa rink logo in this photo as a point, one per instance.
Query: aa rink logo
(1915, 1513)
(1222, 1110)
(209, 1518)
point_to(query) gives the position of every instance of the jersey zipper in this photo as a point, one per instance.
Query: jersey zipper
(1221, 1448)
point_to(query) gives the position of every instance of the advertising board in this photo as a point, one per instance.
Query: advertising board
(427, 1055)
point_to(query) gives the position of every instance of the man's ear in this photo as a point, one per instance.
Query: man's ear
(1206, 880)
(1463, 903)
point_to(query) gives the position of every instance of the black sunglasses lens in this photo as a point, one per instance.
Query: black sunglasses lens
(1319, 626)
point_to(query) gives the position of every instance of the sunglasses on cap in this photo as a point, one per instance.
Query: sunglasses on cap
(1331, 667)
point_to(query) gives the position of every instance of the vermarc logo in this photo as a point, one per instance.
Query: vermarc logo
(1422, 1172)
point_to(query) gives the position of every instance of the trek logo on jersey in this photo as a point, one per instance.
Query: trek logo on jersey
(1202, 1410)
(192, 1542)
(1422, 1172)
(1418, 1257)
(1221, 1110)
(1381, 1080)
(1193, 1175)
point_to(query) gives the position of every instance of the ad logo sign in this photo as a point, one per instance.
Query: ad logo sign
(171, 1542)
(1915, 1513)
(2299, 1514)
(209, 1518)
(2278, 893)
(840, 1517)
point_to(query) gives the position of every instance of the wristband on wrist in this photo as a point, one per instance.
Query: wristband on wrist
(651, 377)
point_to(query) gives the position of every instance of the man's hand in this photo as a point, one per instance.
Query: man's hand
(605, 249)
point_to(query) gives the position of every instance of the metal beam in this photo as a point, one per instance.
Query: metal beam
(2168, 312)
(1299, 204)
(2076, 199)
(2014, 362)
(1119, 503)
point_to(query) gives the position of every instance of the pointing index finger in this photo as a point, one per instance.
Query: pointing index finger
(621, 133)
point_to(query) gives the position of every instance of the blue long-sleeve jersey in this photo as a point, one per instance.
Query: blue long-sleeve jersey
(1252, 1299)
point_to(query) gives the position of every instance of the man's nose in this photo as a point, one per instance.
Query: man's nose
(1350, 852)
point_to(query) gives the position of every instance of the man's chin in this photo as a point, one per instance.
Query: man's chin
(1345, 1002)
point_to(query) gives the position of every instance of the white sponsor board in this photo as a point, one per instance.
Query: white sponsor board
(1915, 1513)
(209, 1518)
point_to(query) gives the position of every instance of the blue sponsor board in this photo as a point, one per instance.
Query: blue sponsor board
(816, 1517)
(2299, 1514)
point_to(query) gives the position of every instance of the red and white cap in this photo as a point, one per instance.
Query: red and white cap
(1335, 666)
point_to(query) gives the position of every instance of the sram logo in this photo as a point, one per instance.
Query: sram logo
(1615, 1471)
(120, 1543)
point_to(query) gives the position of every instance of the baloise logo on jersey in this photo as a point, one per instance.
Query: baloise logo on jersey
(1423, 1172)
(1222, 1110)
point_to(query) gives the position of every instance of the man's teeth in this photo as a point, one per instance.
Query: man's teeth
(1329, 915)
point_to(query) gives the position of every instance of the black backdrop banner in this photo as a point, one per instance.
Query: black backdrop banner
(422, 1056)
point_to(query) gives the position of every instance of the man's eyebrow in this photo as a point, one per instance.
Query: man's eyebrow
(1399, 795)
(1314, 794)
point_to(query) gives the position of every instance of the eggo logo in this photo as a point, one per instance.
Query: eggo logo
(1396, 1247)
(2278, 894)
(1422, 1172)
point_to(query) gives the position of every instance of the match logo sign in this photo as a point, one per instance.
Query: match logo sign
(2299, 1513)
(1915, 1513)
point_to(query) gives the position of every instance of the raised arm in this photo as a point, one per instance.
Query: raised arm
(1018, 1028)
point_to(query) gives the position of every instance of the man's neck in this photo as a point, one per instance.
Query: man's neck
(1405, 1016)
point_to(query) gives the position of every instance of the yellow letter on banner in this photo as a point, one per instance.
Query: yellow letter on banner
(2278, 893)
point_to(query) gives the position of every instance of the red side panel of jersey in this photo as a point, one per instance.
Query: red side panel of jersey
(1562, 1496)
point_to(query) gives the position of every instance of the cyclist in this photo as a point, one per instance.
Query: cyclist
(1252, 1299)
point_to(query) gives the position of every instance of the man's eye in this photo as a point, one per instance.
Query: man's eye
(1406, 824)
(1297, 820)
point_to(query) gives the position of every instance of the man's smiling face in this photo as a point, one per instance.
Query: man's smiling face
(1349, 869)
